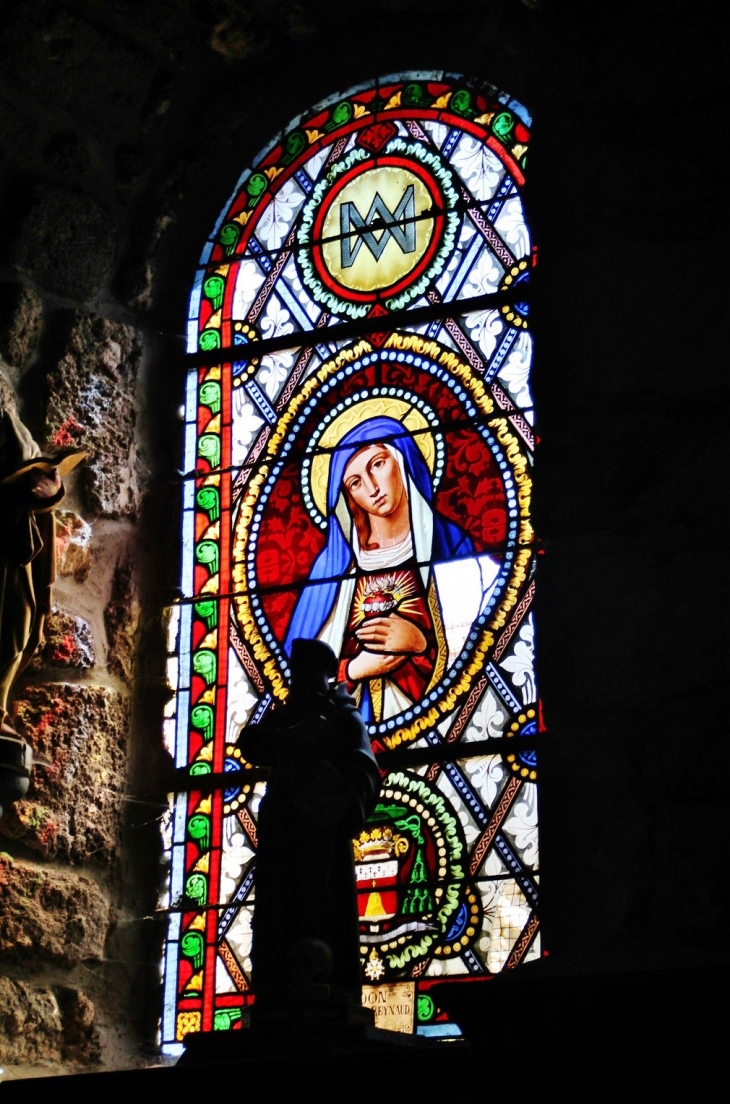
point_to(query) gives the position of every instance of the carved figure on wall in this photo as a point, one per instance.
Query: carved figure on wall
(324, 783)
(30, 486)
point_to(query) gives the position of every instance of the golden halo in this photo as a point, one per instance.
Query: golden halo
(383, 406)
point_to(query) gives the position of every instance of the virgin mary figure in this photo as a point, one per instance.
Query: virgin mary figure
(397, 586)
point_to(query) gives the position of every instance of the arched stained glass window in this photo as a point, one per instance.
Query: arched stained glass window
(358, 446)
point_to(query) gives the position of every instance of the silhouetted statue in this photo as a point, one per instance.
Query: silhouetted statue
(30, 486)
(324, 783)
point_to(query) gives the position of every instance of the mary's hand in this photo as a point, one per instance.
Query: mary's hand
(371, 665)
(393, 635)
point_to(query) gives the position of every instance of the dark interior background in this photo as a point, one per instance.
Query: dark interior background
(123, 129)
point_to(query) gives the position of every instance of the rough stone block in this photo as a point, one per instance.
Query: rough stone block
(21, 324)
(68, 643)
(66, 243)
(73, 545)
(121, 618)
(79, 735)
(49, 916)
(46, 1025)
(92, 402)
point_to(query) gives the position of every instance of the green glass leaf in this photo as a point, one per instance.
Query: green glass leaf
(209, 447)
(209, 500)
(206, 553)
(204, 664)
(210, 396)
(503, 124)
(214, 288)
(199, 830)
(203, 718)
(207, 611)
(412, 95)
(228, 237)
(200, 768)
(209, 340)
(196, 888)
(257, 185)
(461, 102)
(294, 144)
(192, 946)
(342, 113)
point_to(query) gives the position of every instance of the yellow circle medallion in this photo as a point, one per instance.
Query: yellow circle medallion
(377, 228)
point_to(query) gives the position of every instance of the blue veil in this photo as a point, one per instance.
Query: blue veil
(318, 597)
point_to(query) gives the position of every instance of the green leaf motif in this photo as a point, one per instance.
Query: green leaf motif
(196, 888)
(206, 553)
(256, 186)
(412, 95)
(342, 113)
(192, 946)
(200, 768)
(214, 288)
(294, 144)
(209, 500)
(207, 611)
(203, 718)
(210, 396)
(199, 830)
(228, 237)
(209, 340)
(209, 447)
(204, 664)
(502, 125)
(461, 102)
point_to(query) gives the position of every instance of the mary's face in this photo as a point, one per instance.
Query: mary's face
(373, 481)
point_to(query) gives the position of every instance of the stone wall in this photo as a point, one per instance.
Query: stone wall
(71, 902)
(123, 128)
(86, 190)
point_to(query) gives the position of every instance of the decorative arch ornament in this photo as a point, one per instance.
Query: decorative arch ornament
(364, 297)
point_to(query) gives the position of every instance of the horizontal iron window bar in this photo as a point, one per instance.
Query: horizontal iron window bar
(298, 455)
(463, 206)
(265, 589)
(434, 754)
(189, 905)
(308, 453)
(301, 454)
(345, 331)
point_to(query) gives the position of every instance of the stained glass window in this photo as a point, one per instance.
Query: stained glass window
(358, 451)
